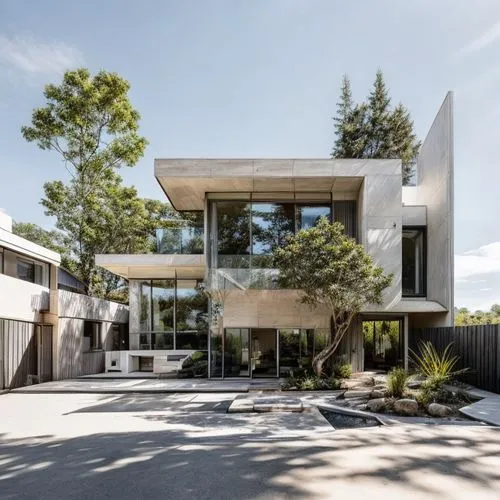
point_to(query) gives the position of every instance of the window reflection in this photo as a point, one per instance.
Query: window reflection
(413, 262)
(309, 215)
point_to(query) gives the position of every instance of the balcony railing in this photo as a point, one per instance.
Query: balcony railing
(180, 240)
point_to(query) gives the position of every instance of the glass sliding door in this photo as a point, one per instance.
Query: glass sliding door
(237, 352)
(264, 349)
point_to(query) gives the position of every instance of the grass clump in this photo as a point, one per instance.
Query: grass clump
(397, 382)
(342, 370)
(310, 383)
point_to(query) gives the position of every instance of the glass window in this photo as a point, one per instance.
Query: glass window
(272, 224)
(163, 300)
(309, 215)
(413, 262)
(145, 305)
(191, 316)
(26, 270)
(233, 234)
(92, 336)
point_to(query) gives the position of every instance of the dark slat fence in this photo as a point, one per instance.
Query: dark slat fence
(478, 348)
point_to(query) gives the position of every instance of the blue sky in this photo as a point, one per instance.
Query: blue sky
(260, 78)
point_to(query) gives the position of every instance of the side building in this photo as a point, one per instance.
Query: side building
(49, 329)
(247, 207)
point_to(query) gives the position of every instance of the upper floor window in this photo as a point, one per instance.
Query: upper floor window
(413, 262)
(32, 271)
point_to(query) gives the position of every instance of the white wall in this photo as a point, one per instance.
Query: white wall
(435, 190)
(22, 300)
(76, 305)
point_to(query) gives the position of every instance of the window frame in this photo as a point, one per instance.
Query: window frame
(92, 346)
(423, 231)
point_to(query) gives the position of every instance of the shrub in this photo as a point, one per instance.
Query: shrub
(438, 368)
(342, 370)
(310, 383)
(397, 382)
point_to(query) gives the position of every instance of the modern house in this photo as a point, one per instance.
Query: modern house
(49, 329)
(245, 208)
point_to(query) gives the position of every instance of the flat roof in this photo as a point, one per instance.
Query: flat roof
(186, 181)
(25, 247)
(152, 266)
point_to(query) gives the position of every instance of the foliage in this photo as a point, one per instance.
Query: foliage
(342, 370)
(53, 240)
(373, 129)
(331, 271)
(464, 317)
(91, 124)
(438, 368)
(428, 394)
(309, 382)
(397, 382)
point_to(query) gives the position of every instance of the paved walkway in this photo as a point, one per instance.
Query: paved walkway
(487, 409)
(149, 385)
(185, 446)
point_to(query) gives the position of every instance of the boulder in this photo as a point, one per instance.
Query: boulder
(357, 394)
(376, 405)
(407, 407)
(380, 387)
(438, 410)
(377, 394)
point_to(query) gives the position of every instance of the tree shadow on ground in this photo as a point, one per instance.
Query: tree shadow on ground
(215, 455)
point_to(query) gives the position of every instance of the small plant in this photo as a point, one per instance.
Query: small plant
(437, 368)
(342, 370)
(310, 383)
(397, 382)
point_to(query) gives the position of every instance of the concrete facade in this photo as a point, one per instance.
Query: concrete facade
(384, 209)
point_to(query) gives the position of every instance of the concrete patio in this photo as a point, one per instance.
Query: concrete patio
(186, 446)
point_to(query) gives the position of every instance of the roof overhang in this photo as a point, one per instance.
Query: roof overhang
(186, 181)
(153, 266)
(409, 306)
(28, 248)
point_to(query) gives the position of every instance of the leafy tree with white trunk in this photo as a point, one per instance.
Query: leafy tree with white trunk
(331, 270)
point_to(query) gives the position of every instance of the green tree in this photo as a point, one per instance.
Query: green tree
(333, 271)
(373, 129)
(90, 122)
(53, 240)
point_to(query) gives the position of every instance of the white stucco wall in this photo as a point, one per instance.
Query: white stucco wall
(22, 300)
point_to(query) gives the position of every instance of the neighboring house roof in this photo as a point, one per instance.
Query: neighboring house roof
(68, 281)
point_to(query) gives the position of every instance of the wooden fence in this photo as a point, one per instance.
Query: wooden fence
(478, 348)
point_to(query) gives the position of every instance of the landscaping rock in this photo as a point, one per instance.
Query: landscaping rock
(415, 384)
(357, 394)
(377, 394)
(407, 407)
(438, 410)
(376, 405)
(380, 387)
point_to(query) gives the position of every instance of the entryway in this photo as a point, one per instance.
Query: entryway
(251, 352)
(383, 344)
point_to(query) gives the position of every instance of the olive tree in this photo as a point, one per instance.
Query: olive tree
(330, 270)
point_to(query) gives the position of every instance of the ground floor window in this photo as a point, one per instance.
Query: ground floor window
(264, 352)
(92, 340)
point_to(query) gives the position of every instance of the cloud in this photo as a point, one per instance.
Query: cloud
(483, 260)
(481, 42)
(27, 55)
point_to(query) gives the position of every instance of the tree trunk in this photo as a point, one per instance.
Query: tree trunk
(338, 330)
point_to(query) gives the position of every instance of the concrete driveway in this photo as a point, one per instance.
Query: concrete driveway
(184, 446)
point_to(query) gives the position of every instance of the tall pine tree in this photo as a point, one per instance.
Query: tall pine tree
(373, 129)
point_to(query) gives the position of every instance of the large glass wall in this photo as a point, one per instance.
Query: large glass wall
(191, 316)
(173, 314)
(413, 262)
(297, 347)
(246, 234)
